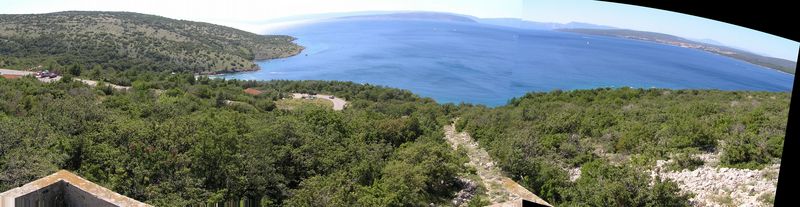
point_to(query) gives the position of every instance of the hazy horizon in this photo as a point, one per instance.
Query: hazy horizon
(250, 15)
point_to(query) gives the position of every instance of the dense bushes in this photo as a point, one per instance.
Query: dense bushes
(603, 184)
(168, 142)
(538, 137)
(174, 140)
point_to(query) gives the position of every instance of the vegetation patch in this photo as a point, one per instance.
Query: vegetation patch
(176, 140)
(538, 137)
(685, 161)
(173, 140)
(724, 200)
(290, 103)
(767, 198)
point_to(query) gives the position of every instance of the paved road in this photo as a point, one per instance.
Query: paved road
(14, 72)
(338, 103)
(47, 80)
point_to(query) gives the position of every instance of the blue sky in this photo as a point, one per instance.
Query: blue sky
(239, 14)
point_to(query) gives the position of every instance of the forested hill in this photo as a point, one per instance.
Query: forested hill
(124, 40)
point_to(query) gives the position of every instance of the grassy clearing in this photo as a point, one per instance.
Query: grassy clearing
(290, 104)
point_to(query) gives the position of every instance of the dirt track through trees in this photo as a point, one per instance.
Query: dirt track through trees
(501, 190)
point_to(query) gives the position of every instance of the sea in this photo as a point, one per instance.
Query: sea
(467, 62)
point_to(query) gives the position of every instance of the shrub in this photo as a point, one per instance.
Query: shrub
(743, 151)
(684, 161)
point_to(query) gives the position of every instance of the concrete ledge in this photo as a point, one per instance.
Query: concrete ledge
(64, 189)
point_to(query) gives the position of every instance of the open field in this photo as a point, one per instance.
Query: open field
(338, 103)
(290, 104)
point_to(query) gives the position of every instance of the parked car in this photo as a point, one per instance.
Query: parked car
(46, 74)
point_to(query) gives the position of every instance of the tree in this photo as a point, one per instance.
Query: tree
(667, 193)
(75, 70)
(96, 72)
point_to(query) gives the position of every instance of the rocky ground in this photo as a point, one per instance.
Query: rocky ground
(574, 174)
(712, 184)
(467, 192)
(720, 186)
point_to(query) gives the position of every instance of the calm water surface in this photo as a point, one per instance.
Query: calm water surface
(484, 64)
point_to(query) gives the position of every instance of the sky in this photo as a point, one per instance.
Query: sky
(245, 14)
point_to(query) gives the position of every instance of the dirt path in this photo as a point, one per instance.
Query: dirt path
(501, 190)
(14, 72)
(338, 103)
(47, 80)
(94, 83)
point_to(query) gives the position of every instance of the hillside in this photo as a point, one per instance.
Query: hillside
(562, 145)
(769, 62)
(124, 40)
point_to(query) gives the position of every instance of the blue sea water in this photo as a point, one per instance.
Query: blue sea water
(485, 64)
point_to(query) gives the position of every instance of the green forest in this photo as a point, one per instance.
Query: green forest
(173, 140)
(124, 40)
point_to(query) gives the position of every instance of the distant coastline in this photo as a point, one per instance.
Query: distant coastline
(786, 66)
(706, 51)
(257, 67)
(478, 68)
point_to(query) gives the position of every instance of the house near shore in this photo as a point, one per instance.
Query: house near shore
(253, 91)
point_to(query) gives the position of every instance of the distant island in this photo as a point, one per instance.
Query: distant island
(769, 62)
(525, 24)
(435, 16)
(126, 40)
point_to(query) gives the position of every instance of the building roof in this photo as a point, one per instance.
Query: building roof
(252, 91)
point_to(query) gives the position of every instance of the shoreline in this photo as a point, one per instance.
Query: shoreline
(258, 67)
